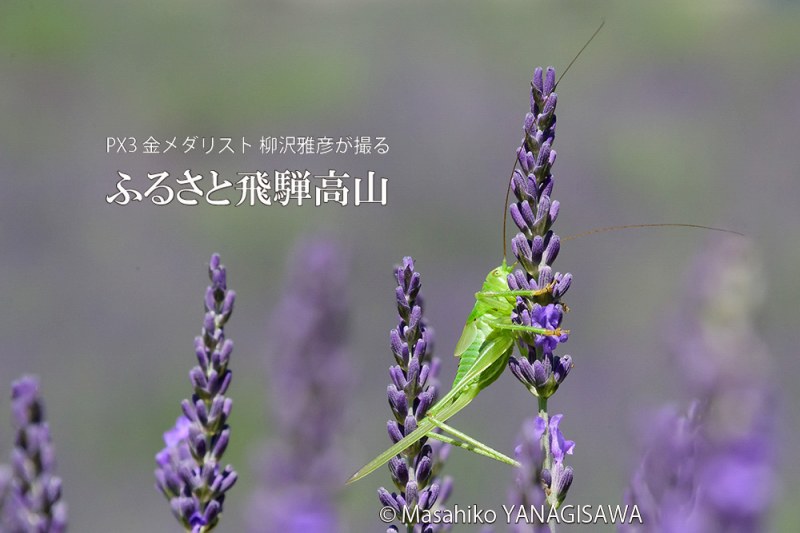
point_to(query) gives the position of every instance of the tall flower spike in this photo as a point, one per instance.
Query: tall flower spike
(536, 246)
(721, 476)
(412, 391)
(310, 373)
(33, 503)
(189, 473)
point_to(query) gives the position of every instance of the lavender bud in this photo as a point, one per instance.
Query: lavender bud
(564, 483)
(394, 431)
(399, 471)
(540, 374)
(550, 81)
(536, 82)
(398, 379)
(397, 401)
(551, 252)
(562, 368)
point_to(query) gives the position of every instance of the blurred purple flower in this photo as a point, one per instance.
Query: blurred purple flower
(309, 376)
(6, 476)
(33, 493)
(720, 461)
(412, 391)
(189, 472)
(528, 490)
(663, 487)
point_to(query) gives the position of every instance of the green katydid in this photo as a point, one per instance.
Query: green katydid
(484, 348)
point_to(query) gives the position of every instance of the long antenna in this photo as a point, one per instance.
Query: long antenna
(511, 177)
(505, 206)
(633, 226)
(574, 59)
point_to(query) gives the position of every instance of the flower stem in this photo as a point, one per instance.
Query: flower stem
(548, 456)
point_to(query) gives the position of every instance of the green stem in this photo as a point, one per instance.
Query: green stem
(548, 456)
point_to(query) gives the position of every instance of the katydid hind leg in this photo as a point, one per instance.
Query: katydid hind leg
(426, 426)
(459, 397)
(462, 440)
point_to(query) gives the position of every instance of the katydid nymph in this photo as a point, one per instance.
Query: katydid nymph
(484, 348)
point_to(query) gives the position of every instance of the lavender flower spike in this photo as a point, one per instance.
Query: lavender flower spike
(412, 391)
(717, 472)
(189, 472)
(33, 503)
(536, 246)
(310, 375)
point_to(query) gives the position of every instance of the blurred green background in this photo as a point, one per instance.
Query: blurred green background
(678, 112)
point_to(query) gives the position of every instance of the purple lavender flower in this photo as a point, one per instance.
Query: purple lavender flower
(559, 477)
(528, 491)
(664, 485)
(412, 391)
(715, 472)
(33, 502)
(189, 472)
(309, 375)
(536, 246)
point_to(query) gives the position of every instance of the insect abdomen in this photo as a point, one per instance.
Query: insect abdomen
(468, 357)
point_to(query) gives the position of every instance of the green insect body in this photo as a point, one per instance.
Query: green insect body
(484, 349)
